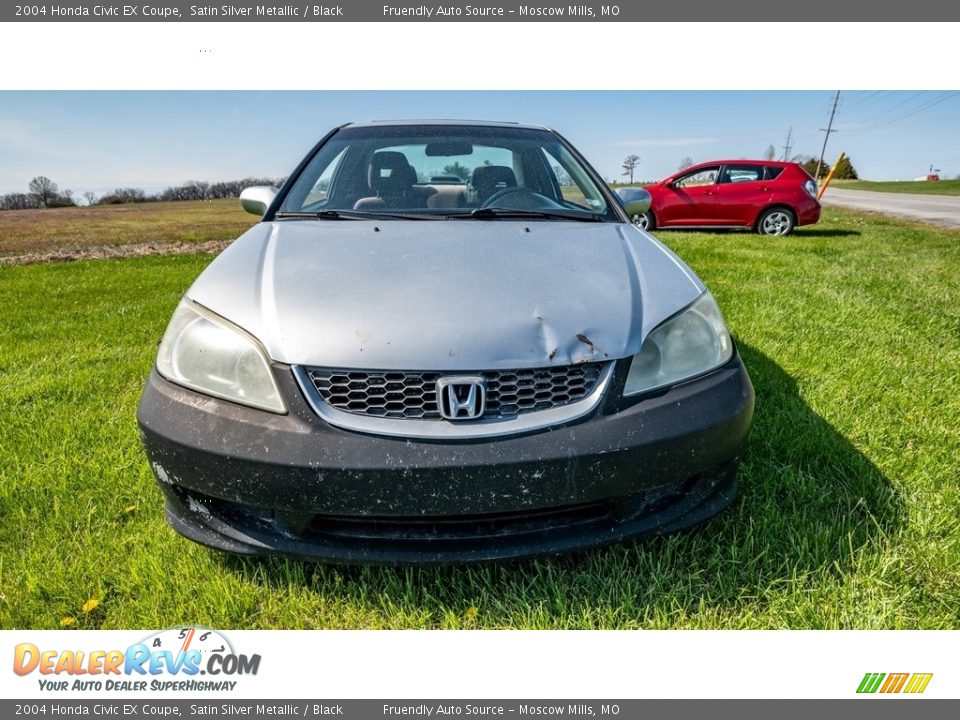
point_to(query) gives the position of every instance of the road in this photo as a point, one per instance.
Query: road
(937, 209)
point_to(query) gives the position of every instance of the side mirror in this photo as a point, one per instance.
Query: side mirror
(256, 200)
(636, 201)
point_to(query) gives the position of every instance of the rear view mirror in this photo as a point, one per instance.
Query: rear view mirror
(255, 200)
(636, 201)
(448, 149)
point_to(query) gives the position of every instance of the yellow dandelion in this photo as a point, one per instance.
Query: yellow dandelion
(471, 613)
(67, 621)
(90, 605)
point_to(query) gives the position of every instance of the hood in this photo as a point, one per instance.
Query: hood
(446, 295)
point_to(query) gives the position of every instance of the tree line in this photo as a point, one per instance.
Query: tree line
(42, 192)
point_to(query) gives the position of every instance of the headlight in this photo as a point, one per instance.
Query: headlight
(690, 343)
(206, 353)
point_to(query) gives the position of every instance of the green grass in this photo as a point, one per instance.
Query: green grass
(849, 515)
(941, 187)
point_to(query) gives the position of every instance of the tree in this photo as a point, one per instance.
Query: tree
(630, 164)
(44, 188)
(123, 195)
(197, 189)
(90, 197)
(811, 167)
(19, 201)
(457, 170)
(770, 153)
(844, 170)
(62, 199)
(685, 162)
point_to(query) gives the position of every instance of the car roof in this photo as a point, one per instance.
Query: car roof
(744, 161)
(447, 121)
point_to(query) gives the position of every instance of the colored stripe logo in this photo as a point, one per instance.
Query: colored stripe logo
(913, 683)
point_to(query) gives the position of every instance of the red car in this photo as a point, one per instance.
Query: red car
(771, 197)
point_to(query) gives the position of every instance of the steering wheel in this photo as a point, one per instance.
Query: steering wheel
(524, 199)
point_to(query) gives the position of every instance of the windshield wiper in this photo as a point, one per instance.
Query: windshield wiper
(321, 215)
(354, 215)
(491, 213)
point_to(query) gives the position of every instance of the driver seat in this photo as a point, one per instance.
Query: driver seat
(392, 180)
(488, 179)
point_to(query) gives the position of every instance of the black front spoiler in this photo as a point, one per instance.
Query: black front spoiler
(252, 482)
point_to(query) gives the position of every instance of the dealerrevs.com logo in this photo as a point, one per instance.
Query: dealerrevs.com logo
(889, 683)
(172, 659)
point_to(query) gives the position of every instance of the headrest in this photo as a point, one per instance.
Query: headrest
(487, 178)
(389, 172)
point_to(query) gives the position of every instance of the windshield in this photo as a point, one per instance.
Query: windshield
(446, 171)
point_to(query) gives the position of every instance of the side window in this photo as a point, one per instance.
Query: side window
(575, 187)
(321, 188)
(772, 173)
(570, 190)
(741, 173)
(704, 176)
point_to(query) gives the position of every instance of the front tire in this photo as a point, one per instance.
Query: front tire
(776, 222)
(645, 222)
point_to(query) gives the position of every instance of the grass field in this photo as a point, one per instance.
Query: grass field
(941, 187)
(23, 231)
(849, 515)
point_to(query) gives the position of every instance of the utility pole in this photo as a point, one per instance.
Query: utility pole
(828, 129)
(788, 146)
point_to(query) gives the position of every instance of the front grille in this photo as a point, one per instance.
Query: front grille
(493, 526)
(413, 395)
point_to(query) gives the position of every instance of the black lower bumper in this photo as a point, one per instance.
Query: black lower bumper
(252, 482)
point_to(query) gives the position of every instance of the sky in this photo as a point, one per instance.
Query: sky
(97, 141)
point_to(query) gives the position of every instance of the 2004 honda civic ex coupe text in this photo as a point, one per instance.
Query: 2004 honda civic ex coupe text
(445, 342)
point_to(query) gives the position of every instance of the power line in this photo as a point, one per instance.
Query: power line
(914, 111)
(809, 131)
(829, 129)
(788, 146)
(864, 100)
(919, 109)
(894, 107)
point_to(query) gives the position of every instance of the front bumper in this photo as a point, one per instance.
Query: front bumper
(252, 482)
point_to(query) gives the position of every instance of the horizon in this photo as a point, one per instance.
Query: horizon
(98, 141)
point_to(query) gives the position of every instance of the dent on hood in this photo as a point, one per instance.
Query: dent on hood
(417, 296)
(564, 351)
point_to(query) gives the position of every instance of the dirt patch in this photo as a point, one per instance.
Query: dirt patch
(105, 252)
(50, 230)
